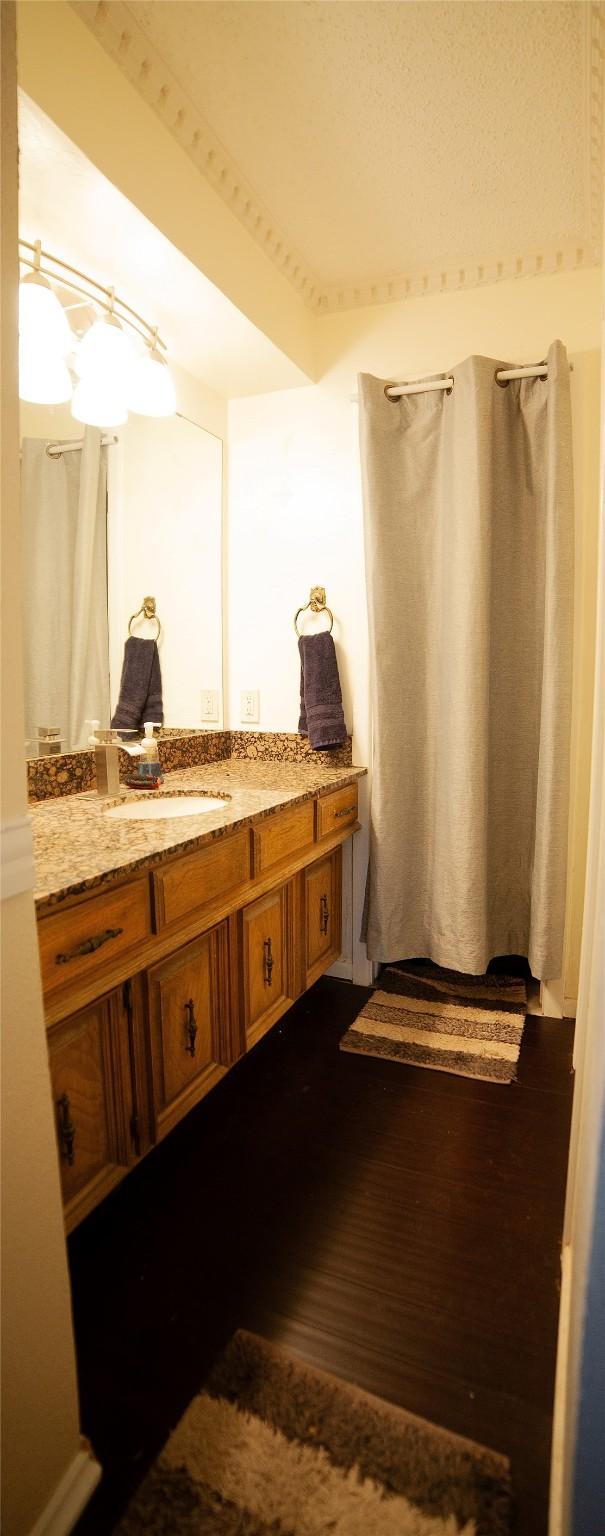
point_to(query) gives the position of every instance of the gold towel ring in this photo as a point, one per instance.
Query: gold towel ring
(147, 609)
(317, 604)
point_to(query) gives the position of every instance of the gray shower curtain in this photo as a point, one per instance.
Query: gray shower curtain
(468, 510)
(66, 643)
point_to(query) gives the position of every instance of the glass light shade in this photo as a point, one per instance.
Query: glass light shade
(43, 322)
(106, 354)
(43, 376)
(98, 402)
(151, 391)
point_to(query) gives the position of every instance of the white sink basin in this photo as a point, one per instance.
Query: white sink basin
(165, 807)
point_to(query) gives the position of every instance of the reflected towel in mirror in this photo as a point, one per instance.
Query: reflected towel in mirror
(140, 686)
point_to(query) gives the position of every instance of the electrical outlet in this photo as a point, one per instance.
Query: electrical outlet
(250, 706)
(209, 704)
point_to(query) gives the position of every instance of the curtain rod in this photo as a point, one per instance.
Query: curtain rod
(73, 445)
(502, 376)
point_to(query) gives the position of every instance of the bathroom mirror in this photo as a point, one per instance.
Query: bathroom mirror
(108, 519)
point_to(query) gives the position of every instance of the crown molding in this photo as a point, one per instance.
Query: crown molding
(114, 25)
(117, 30)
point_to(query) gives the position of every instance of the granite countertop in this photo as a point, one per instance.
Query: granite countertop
(76, 847)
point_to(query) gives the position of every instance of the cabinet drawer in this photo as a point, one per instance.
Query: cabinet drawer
(282, 836)
(337, 811)
(85, 939)
(193, 882)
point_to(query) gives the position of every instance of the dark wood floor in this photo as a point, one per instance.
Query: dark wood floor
(398, 1227)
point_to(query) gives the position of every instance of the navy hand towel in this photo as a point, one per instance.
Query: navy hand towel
(321, 713)
(140, 686)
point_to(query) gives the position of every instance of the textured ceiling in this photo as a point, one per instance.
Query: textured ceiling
(79, 215)
(381, 149)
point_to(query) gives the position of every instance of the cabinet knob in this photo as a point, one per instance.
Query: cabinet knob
(324, 914)
(268, 962)
(191, 1028)
(67, 1129)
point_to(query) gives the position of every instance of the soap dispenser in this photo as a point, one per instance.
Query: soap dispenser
(149, 765)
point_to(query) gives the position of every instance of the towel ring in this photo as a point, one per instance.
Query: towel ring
(147, 610)
(317, 604)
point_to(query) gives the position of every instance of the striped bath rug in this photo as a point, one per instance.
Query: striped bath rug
(272, 1447)
(429, 1017)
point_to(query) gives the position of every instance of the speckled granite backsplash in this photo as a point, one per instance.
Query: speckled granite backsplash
(71, 773)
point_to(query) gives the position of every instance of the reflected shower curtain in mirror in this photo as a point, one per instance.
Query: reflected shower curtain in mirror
(64, 521)
(468, 513)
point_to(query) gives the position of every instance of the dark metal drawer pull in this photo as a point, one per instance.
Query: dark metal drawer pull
(191, 1028)
(348, 810)
(268, 962)
(324, 914)
(88, 946)
(67, 1129)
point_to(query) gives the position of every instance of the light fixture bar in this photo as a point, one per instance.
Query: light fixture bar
(106, 298)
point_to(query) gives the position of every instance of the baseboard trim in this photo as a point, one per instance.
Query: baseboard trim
(557, 1518)
(342, 969)
(70, 1496)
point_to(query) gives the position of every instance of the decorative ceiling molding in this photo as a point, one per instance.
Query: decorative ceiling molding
(114, 25)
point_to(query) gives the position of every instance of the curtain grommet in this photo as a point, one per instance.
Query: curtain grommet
(502, 383)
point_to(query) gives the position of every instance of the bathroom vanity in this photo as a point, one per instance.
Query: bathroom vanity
(169, 948)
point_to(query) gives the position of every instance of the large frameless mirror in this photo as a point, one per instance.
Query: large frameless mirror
(109, 518)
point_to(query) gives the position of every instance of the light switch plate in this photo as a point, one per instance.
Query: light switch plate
(250, 706)
(209, 704)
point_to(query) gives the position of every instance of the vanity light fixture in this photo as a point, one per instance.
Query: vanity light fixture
(152, 391)
(109, 367)
(45, 339)
(97, 404)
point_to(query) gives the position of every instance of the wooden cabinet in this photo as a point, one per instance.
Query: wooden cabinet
(322, 914)
(194, 961)
(268, 969)
(192, 1038)
(92, 1093)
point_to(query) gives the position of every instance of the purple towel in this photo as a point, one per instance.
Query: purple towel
(140, 686)
(321, 714)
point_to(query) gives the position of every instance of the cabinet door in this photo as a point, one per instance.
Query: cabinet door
(190, 1014)
(268, 960)
(323, 903)
(91, 1088)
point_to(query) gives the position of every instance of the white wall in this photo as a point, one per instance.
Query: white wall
(43, 1465)
(165, 539)
(295, 501)
(577, 1474)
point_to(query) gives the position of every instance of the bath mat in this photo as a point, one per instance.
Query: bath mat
(272, 1447)
(429, 1017)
